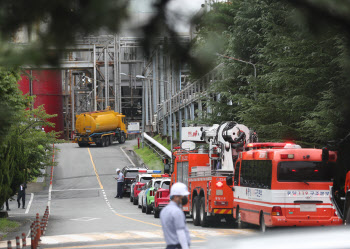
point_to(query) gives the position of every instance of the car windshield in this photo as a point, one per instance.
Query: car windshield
(145, 179)
(166, 185)
(156, 184)
(305, 171)
(131, 174)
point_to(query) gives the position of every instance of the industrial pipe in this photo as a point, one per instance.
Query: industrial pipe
(158, 145)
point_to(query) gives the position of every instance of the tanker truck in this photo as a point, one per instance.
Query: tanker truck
(100, 127)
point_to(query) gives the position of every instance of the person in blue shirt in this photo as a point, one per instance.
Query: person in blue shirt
(120, 180)
(173, 219)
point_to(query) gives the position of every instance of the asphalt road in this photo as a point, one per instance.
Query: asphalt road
(85, 214)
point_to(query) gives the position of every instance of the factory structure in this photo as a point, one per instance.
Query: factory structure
(112, 70)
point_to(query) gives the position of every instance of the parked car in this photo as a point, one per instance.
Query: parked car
(143, 194)
(161, 197)
(141, 179)
(130, 173)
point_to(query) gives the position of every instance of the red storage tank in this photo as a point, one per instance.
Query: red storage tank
(47, 86)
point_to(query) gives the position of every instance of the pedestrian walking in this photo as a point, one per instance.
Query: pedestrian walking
(22, 195)
(120, 180)
(173, 219)
(7, 205)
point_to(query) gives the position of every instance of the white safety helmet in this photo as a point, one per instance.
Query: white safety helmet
(117, 170)
(179, 189)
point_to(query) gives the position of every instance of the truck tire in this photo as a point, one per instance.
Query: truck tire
(143, 208)
(347, 218)
(202, 214)
(134, 201)
(156, 213)
(195, 211)
(107, 141)
(110, 140)
(131, 199)
(263, 227)
(103, 141)
(239, 222)
(122, 138)
(83, 144)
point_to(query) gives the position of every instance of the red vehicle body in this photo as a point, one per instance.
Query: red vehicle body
(161, 199)
(136, 187)
(210, 198)
(284, 187)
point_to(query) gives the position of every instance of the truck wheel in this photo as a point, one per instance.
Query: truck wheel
(83, 144)
(156, 213)
(134, 201)
(122, 138)
(195, 211)
(110, 140)
(107, 141)
(263, 227)
(131, 199)
(347, 219)
(202, 214)
(240, 223)
(143, 208)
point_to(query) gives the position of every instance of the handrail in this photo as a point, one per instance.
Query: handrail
(158, 145)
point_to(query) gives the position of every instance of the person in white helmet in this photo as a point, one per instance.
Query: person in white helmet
(120, 180)
(173, 219)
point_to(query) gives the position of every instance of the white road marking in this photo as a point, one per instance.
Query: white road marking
(74, 189)
(128, 157)
(131, 235)
(147, 235)
(85, 219)
(30, 203)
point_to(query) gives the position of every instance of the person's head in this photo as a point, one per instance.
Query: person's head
(179, 193)
(118, 171)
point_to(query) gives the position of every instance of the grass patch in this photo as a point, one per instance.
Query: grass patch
(163, 142)
(8, 225)
(149, 158)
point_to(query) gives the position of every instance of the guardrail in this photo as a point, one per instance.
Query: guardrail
(157, 145)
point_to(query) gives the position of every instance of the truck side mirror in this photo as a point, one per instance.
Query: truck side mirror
(166, 169)
(229, 181)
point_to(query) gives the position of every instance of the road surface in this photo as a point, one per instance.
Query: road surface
(85, 214)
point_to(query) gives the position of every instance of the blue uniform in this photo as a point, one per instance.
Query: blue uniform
(120, 180)
(173, 220)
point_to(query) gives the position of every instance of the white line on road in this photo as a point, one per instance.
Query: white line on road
(128, 157)
(74, 189)
(30, 203)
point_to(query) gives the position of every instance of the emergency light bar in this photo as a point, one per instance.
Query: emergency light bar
(142, 170)
(153, 171)
(269, 145)
(156, 175)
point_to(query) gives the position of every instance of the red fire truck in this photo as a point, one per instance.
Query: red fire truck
(281, 184)
(204, 170)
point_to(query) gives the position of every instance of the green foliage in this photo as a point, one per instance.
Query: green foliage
(300, 86)
(7, 225)
(163, 142)
(24, 148)
(149, 158)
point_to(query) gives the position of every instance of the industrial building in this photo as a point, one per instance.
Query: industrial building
(112, 70)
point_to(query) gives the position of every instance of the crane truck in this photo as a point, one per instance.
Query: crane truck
(204, 171)
(100, 128)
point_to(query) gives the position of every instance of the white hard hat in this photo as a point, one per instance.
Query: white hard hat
(179, 189)
(117, 170)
